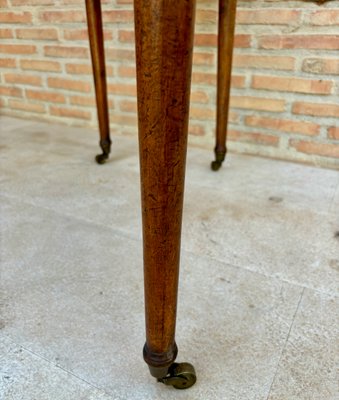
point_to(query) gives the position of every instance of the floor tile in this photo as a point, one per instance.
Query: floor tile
(25, 376)
(77, 302)
(309, 364)
(296, 245)
(251, 179)
(256, 234)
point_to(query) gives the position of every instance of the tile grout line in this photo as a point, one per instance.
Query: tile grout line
(248, 269)
(59, 367)
(286, 341)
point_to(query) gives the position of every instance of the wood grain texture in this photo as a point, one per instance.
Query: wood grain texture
(226, 28)
(164, 42)
(95, 31)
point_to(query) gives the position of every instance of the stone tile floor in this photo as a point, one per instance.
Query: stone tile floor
(258, 301)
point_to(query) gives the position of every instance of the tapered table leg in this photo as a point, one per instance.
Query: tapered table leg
(96, 40)
(164, 42)
(227, 12)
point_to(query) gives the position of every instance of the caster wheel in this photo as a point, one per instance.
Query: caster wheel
(101, 158)
(180, 376)
(215, 165)
(106, 149)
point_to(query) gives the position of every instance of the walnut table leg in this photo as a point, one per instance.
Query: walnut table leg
(227, 12)
(94, 22)
(164, 41)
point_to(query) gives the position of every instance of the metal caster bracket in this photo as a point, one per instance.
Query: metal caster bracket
(106, 149)
(219, 158)
(180, 376)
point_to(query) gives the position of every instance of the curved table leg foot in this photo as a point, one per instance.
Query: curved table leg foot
(219, 158)
(106, 149)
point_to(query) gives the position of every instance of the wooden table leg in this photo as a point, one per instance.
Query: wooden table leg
(227, 12)
(164, 41)
(96, 40)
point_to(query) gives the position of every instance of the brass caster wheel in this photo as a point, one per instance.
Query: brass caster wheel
(215, 165)
(180, 376)
(101, 158)
(219, 158)
(106, 149)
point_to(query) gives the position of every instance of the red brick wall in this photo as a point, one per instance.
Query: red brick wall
(285, 77)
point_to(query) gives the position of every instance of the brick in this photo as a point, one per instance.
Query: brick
(45, 96)
(268, 16)
(6, 33)
(87, 101)
(128, 106)
(76, 34)
(23, 79)
(31, 3)
(242, 40)
(7, 63)
(210, 40)
(68, 2)
(82, 34)
(206, 17)
(325, 17)
(40, 65)
(202, 113)
(65, 16)
(126, 36)
(67, 52)
(118, 16)
(123, 89)
(17, 49)
(85, 69)
(125, 71)
(42, 34)
(10, 91)
(316, 42)
(333, 132)
(264, 62)
(198, 96)
(123, 120)
(69, 84)
(255, 138)
(29, 107)
(233, 116)
(258, 103)
(70, 112)
(15, 18)
(320, 149)
(196, 130)
(82, 101)
(290, 84)
(79, 69)
(120, 54)
(203, 58)
(316, 109)
(328, 66)
(291, 126)
(204, 78)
